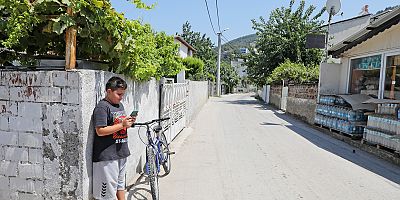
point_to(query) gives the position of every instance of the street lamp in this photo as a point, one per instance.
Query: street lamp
(219, 63)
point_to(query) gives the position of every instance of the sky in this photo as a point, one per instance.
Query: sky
(170, 15)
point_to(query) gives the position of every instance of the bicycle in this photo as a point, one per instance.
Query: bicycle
(157, 154)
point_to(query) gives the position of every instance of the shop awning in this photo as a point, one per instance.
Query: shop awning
(379, 23)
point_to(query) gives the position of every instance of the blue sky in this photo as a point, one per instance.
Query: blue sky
(170, 15)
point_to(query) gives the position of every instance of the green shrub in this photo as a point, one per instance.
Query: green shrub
(295, 73)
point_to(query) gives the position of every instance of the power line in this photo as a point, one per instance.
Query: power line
(216, 5)
(209, 17)
(227, 42)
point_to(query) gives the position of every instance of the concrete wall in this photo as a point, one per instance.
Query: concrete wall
(328, 78)
(40, 111)
(139, 96)
(198, 96)
(46, 131)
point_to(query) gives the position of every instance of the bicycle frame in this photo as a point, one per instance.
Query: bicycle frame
(156, 146)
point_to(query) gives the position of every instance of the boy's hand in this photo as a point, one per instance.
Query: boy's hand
(128, 121)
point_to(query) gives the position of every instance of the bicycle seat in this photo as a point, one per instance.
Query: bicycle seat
(157, 128)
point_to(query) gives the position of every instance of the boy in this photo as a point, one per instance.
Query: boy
(110, 146)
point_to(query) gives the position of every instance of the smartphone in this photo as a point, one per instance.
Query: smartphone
(134, 113)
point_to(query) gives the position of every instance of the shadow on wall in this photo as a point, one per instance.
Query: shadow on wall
(99, 93)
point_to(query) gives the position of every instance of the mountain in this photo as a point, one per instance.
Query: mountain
(231, 49)
(242, 42)
(388, 8)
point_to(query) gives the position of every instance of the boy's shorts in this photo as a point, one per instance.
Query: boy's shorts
(108, 177)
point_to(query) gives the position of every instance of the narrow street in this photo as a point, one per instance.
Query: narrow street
(241, 149)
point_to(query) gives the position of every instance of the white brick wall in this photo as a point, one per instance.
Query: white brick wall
(54, 94)
(22, 185)
(30, 171)
(39, 78)
(60, 79)
(4, 184)
(16, 78)
(30, 196)
(8, 168)
(70, 95)
(4, 125)
(2, 78)
(15, 153)
(30, 140)
(4, 93)
(23, 124)
(1, 153)
(35, 106)
(8, 138)
(30, 110)
(18, 94)
(73, 79)
(35, 156)
(8, 108)
(4, 194)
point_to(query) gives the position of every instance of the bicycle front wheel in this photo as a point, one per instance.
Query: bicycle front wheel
(152, 170)
(166, 158)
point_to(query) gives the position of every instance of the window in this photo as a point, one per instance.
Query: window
(392, 78)
(365, 73)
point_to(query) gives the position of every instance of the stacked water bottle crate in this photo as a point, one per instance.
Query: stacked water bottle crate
(335, 113)
(383, 127)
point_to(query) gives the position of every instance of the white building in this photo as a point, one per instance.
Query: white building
(369, 59)
(239, 67)
(185, 50)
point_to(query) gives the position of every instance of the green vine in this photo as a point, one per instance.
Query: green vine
(130, 47)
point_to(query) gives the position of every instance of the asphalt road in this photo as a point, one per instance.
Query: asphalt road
(238, 148)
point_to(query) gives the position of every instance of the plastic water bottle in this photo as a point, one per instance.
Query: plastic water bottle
(398, 113)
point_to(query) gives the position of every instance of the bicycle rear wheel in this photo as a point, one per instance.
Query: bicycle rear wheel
(152, 167)
(166, 158)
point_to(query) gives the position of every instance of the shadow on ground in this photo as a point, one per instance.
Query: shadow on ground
(328, 143)
(139, 190)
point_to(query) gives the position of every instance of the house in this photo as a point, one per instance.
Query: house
(185, 50)
(369, 59)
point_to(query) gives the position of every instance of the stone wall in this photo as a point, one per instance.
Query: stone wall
(302, 100)
(275, 96)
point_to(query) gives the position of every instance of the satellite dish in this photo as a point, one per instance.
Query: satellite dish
(333, 7)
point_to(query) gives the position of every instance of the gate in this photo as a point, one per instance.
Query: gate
(174, 104)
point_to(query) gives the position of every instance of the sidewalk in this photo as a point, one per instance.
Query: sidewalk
(141, 189)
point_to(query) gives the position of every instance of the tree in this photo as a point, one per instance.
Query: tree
(194, 68)
(204, 49)
(37, 27)
(229, 76)
(283, 37)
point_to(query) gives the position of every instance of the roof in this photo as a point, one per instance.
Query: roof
(179, 38)
(346, 20)
(378, 23)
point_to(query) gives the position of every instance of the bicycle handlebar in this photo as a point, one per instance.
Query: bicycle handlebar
(150, 122)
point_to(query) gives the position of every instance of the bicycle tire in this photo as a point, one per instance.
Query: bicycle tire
(166, 162)
(153, 177)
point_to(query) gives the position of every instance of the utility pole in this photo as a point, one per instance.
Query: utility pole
(219, 65)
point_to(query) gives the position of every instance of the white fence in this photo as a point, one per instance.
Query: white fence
(174, 100)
